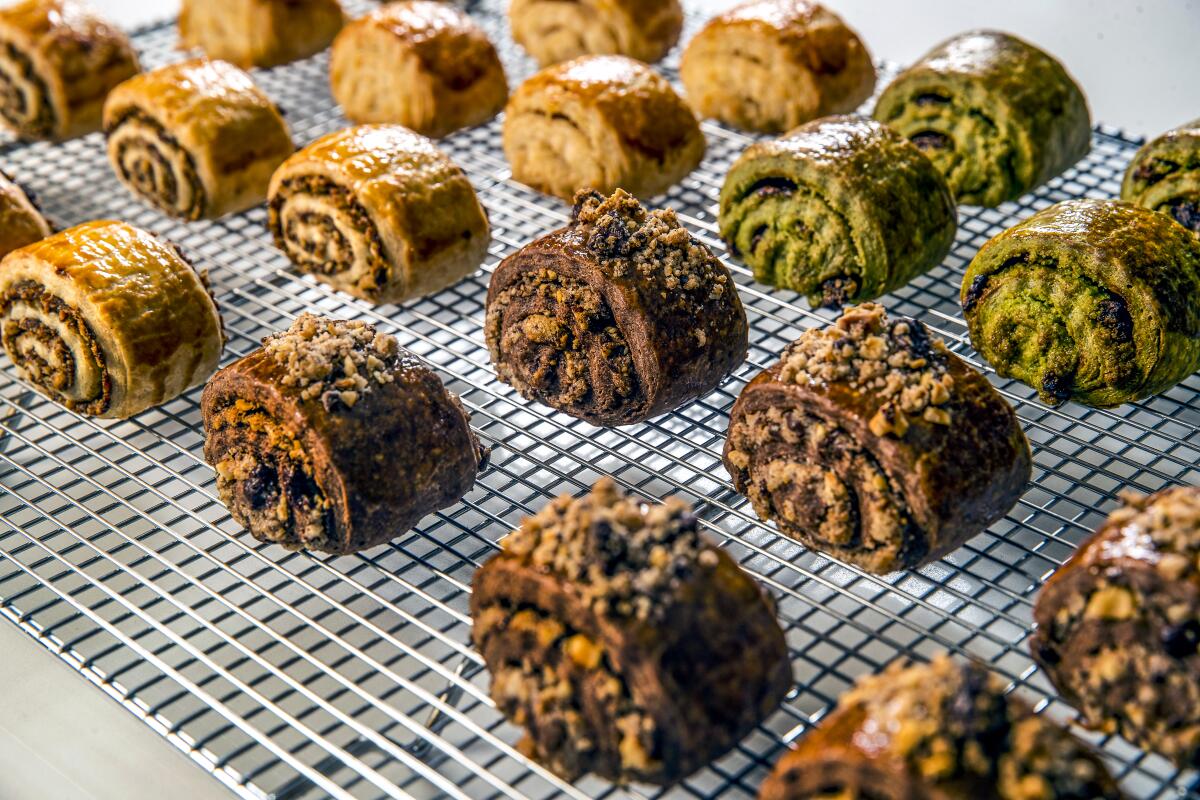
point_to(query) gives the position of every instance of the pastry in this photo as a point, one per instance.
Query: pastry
(378, 212)
(618, 317)
(603, 123)
(770, 65)
(559, 30)
(421, 64)
(1119, 625)
(197, 139)
(1090, 300)
(259, 33)
(939, 731)
(1165, 176)
(332, 437)
(871, 442)
(58, 61)
(998, 116)
(842, 210)
(107, 320)
(21, 222)
(624, 643)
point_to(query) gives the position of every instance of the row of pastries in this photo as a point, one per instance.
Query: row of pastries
(618, 637)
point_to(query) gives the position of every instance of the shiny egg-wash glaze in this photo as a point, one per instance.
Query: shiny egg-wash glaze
(108, 319)
(259, 33)
(196, 139)
(1165, 175)
(553, 31)
(1096, 301)
(842, 210)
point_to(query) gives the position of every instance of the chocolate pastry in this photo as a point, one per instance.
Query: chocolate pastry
(623, 642)
(107, 320)
(196, 139)
(58, 61)
(1119, 625)
(997, 116)
(940, 731)
(21, 222)
(770, 65)
(332, 437)
(616, 318)
(870, 441)
(553, 31)
(259, 33)
(1165, 176)
(1090, 300)
(842, 210)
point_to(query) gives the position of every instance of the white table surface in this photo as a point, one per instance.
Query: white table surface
(1139, 64)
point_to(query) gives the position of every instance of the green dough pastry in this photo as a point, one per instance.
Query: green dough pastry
(1165, 176)
(842, 210)
(1091, 300)
(997, 115)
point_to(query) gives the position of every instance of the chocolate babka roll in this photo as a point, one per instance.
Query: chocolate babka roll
(1119, 625)
(1090, 300)
(378, 212)
(872, 442)
(618, 317)
(58, 61)
(197, 139)
(259, 33)
(332, 437)
(1165, 175)
(107, 319)
(842, 209)
(939, 731)
(21, 222)
(996, 115)
(623, 642)
(553, 31)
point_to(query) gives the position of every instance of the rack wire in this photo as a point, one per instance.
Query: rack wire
(291, 675)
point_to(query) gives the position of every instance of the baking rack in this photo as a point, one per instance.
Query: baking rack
(290, 675)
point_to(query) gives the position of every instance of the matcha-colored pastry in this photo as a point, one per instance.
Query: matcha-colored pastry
(842, 209)
(998, 116)
(1090, 300)
(1165, 175)
(871, 442)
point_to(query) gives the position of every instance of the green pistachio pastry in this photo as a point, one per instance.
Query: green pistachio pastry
(1165, 175)
(997, 115)
(842, 209)
(1091, 300)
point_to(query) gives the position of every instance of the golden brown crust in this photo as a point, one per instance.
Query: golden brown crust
(259, 33)
(603, 123)
(59, 60)
(197, 139)
(422, 64)
(770, 65)
(21, 223)
(554, 31)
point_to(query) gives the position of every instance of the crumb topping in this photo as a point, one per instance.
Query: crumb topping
(1171, 520)
(336, 360)
(627, 556)
(896, 360)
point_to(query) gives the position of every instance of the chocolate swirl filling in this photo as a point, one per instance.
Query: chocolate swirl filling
(25, 101)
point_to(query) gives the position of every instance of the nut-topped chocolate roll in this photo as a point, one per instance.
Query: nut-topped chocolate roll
(870, 441)
(940, 731)
(618, 317)
(1165, 175)
(623, 642)
(332, 437)
(1119, 625)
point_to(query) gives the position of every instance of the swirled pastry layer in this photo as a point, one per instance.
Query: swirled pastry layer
(554, 31)
(1165, 176)
(259, 33)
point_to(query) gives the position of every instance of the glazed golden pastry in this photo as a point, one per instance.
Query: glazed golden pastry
(379, 212)
(259, 33)
(770, 65)
(603, 123)
(107, 319)
(554, 31)
(198, 139)
(58, 61)
(421, 64)
(21, 222)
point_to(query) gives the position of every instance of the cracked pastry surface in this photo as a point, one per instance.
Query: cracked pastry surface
(21, 222)
(259, 33)
(553, 31)
(770, 65)
(623, 642)
(1164, 175)
(602, 123)
(332, 437)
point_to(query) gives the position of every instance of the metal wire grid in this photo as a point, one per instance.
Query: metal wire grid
(291, 675)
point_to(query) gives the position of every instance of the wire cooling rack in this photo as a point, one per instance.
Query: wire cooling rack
(289, 675)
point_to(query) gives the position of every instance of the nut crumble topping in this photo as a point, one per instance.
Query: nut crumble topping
(1171, 519)
(336, 360)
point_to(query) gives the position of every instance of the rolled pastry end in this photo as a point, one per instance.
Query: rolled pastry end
(21, 221)
(1165, 176)
(553, 31)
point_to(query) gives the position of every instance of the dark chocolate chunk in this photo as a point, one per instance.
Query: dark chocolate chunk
(932, 140)
(1114, 317)
(978, 287)
(1181, 641)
